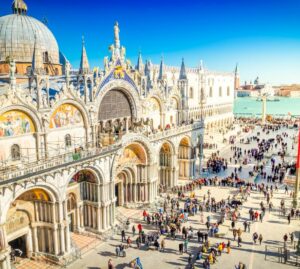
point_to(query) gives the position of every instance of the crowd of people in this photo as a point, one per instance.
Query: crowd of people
(171, 220)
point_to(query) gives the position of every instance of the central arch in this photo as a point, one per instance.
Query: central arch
(117, 110)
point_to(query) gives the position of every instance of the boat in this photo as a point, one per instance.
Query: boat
(269, 99)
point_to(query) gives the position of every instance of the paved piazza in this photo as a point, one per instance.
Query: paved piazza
(273, 229)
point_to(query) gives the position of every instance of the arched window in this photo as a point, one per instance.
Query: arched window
(220, 91)
(191, 94)
(68, 140)
(15, 152)
(211, 92)
(228, 91)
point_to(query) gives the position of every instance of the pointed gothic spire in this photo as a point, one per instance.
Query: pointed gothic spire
(84, 63)
(182, 75)
(236, 71)
(117, 35)
(140, 64)
(19, 7)
(201, 67)
(161, 73)
(37, 59)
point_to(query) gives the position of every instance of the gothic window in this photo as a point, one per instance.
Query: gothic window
(68, 140)
(228, 91)
(191, 93)
(220, 91)
(15, 152)
(115, 104)
(211, 92)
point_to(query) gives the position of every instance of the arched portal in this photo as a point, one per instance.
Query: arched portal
(185, 159)
(30, 224)
(115, 116)
(83, 196)
(131, 182)
(166, 166)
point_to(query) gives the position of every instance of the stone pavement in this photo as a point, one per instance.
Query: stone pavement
(273, 228)
(31, 264)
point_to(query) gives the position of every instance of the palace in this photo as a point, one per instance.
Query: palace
(76, 145)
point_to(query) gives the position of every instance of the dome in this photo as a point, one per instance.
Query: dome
(18, 33)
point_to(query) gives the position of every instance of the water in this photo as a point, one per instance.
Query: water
(249, 106)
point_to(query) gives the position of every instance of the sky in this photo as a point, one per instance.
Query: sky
(262, 36)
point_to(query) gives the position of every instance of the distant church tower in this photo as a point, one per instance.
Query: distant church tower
(236, 78)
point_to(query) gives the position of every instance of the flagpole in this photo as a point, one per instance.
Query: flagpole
(296, 191)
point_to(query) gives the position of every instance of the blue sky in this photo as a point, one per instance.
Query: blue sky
(263, 36)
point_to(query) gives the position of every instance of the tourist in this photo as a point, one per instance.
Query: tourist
(163, 245)
(133, 231)
(180, 246)
(255, 237)
(260, 239)
(185, 243)
(110, 264)
(228, 247)
(239, 241)
(123, 235)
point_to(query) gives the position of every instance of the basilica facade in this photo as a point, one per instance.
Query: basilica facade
(77, 144)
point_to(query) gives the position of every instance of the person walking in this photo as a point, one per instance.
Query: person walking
(185, 243)
(260, 239)
(239, 241)
(123, 235)
(255, 237)
(110, 264)
(228, 247)
(133, 231)
(163, 245)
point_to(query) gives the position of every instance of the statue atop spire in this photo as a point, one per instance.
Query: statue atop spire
(182, 75)
(161, 73)
(84, 63)
(19, 7)
(140, 65)
(117, 35)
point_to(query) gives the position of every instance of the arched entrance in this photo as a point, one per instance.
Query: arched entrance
(166, 166)
(82, 201)
(131, 182)
(185, 159)
(31, 224)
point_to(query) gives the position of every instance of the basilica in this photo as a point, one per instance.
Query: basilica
(77, 144)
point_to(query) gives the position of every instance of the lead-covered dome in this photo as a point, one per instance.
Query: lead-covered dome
(17, 38)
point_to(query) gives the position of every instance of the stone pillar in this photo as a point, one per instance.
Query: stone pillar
(103, 217)
(68, 239)
(55, 241)
(264, 109)
(29, 248)
(35, 239)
